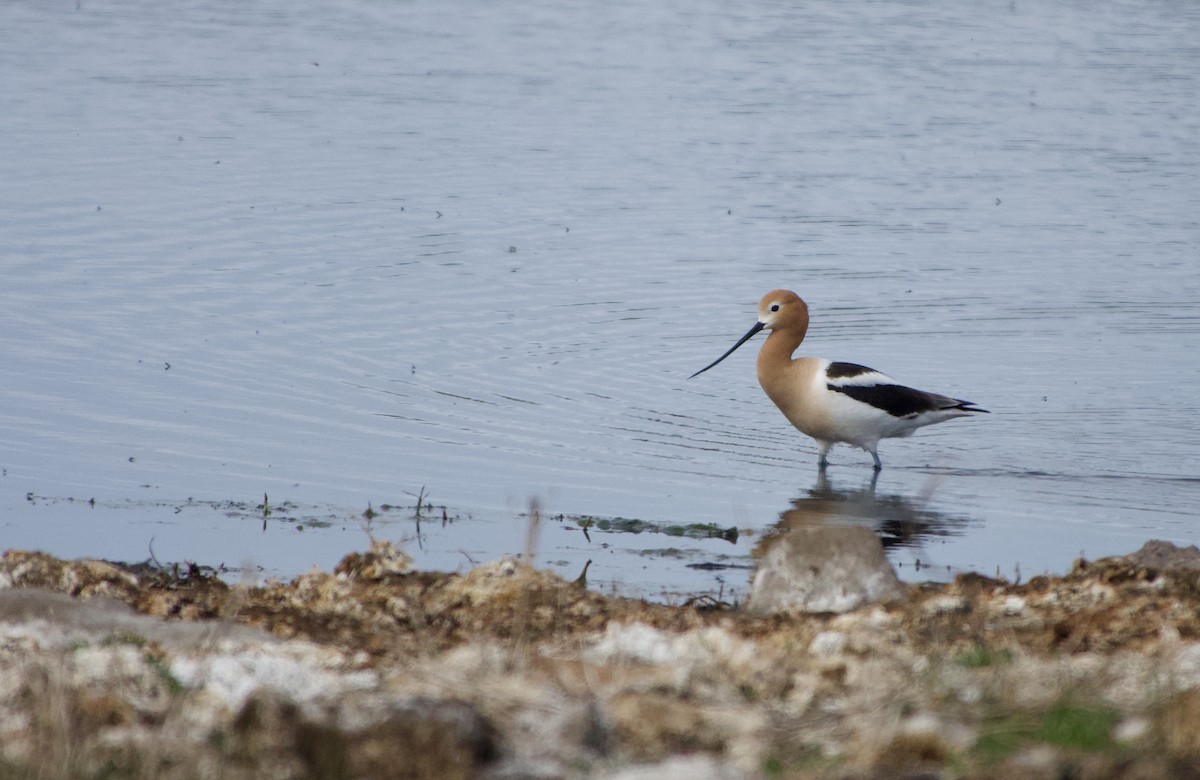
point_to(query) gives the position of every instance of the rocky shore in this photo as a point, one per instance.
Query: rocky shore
(376, 670)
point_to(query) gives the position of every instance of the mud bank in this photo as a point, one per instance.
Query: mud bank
(376, 670)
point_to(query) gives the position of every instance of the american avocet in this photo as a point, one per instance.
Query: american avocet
(835, 402)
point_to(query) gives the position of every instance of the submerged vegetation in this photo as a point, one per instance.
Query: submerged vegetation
(627, 525)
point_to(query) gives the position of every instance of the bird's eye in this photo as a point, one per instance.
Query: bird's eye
(774, 307)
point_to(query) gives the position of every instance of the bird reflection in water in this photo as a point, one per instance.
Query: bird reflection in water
(827, 552)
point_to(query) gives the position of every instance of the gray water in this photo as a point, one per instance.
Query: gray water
(345, 254)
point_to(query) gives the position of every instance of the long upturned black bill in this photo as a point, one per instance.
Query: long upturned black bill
(749, 334)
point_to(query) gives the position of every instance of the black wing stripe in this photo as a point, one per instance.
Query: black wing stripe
(847, 370)
(896, 400)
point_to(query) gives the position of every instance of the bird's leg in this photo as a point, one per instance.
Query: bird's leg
(823, 460)
(878, 462)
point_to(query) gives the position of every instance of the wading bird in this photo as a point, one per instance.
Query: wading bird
(835, 402)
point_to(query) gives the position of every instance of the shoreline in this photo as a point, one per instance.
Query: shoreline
(378, 670)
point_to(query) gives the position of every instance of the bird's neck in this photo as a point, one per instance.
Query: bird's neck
(777, 351)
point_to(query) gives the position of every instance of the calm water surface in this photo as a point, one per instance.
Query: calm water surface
(348, 254)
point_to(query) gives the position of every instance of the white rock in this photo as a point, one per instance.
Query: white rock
(945, 604)
(694, 767)
(300, 675)
(1014, 605)
(635, 642)
(1186, 668)
(827, 644)
(1131, 729)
